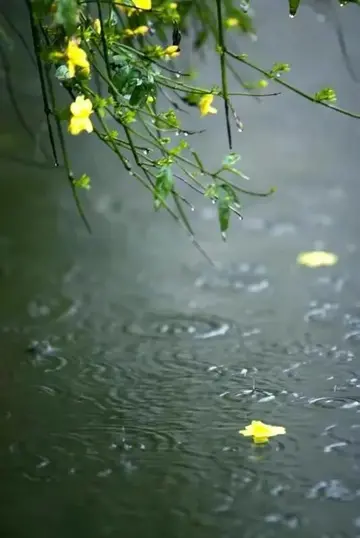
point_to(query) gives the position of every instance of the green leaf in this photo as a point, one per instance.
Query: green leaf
(167, 120)
(163, 186)
(66, 14)
(140, 94)
(293, 7)
(120, 78)
(179, 148)
(226, 198)
(279, 68)
(231, 159)
(62, 73)
(41, 7)
(82, 182)
(326, 94)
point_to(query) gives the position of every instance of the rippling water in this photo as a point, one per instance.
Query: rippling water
(128, 365)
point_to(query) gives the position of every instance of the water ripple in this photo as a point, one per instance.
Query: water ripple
(178, 326)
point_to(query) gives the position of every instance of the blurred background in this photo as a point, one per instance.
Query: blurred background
(128, 363)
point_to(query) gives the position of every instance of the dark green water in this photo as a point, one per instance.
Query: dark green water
(123, 418)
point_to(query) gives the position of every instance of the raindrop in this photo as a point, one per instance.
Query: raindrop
(177, 133)
(186, 133)
(291, 15)
(223, 235)
(146, 151)
(177, 75)
(213, 201)
(192, 208)
(131, 173)
(240, 129)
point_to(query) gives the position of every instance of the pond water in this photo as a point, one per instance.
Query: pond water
(128, 364)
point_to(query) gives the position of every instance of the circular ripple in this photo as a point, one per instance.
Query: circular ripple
(178, 326)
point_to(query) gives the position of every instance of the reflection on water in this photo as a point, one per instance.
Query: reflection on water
(129, 364)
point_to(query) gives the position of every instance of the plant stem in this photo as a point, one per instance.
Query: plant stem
(36, 42)
(290, 87)
(221, 41)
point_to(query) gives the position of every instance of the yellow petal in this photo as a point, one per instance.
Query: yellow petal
(76, 55)
(205, 104)
(142, 4)
(81, 107)
(261, 440)
(212, 110)
(87, 125)
(261, 432)
(247, 432)
(97, 26)
(71, 69)
(317, 258)
(77, 125)
(141, 30)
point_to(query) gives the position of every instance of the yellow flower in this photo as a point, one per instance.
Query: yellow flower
(231, 22)
(317, 258)
(140, 30)
(205, 104)
(172, 51)
(173, 5)
(80, 109)
(97, 26)
(76, 57)
(261, 432)
(142, 4)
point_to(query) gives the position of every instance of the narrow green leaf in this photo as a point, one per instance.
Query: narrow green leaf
(83, 182)
(231, 159)
(163, 186)
(67, 15)
(293, 7)
(325, 94)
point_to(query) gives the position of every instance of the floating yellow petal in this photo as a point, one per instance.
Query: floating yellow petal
(261, 432)
(205, 105)
(80, 109)
(142, 4)
(317, 258)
